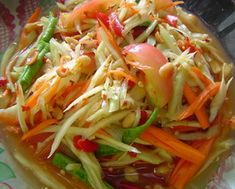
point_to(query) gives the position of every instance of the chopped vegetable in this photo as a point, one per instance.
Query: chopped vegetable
(210, 91)
(130, 134)
(85, 144)
(200, 113)
(72, 167)
(162, 139)
(30, 71)
(184, 170)
(159, 89)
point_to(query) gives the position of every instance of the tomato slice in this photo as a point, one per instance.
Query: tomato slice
(149, 59)
(115, 24)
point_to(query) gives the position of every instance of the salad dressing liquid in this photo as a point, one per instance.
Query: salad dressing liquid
(18, 149)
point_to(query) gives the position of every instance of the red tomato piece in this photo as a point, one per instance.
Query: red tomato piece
(115, 25)
(149, 59)
(84, 144)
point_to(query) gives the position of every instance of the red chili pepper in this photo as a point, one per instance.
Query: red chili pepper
(143, 117)
(132, 154)
(3, 81)
(84, 144)
(115, 24)
(103, 18)
(138, 30)
(172, 20)
(131, 84)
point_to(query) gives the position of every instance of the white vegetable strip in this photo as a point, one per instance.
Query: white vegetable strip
(65, 126)
(106, 122)
(117, 144)
(175, 104)
(91, 166)
(143, 36)
(84, 96)
(108, 45)
(169, 40)
(219, 98)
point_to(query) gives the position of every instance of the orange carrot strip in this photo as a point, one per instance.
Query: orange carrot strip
(36, 130)
(35, 16)
(72, 88)
(200, 113)
(111, 39)
(24, 35)
(33, 98)
(201, 76)
(209, 91)
(184, 170)
(182, 128)
(52, 90)
(162, 139)
(122, 74)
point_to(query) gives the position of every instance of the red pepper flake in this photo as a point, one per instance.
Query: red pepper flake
(25, 108)
(143, 117)
(84, 144)
(3, 81)
(186, 44)
(132, 154)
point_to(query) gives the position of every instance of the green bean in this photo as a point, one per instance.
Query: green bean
(31, 71)
(61, 161)
(48, 33)
(130, 134)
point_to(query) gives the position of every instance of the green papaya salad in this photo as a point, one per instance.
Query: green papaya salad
(118, 94)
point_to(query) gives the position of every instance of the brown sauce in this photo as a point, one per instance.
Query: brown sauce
(114, 177)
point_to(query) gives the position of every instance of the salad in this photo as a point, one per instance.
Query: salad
(117, 94)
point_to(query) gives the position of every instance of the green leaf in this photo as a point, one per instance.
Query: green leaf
(6, 172)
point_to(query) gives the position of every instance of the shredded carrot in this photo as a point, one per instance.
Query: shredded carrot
(201, 76)
(111, 39)
(184, 170)
(35, 16)
(166, 4)
(36, 130)
(79, 91)
(182, 128)
(24, 35)
(208, 92)
(162, 139)
(52, 90)
(121, 73)
(200, 113)
(32, 101)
